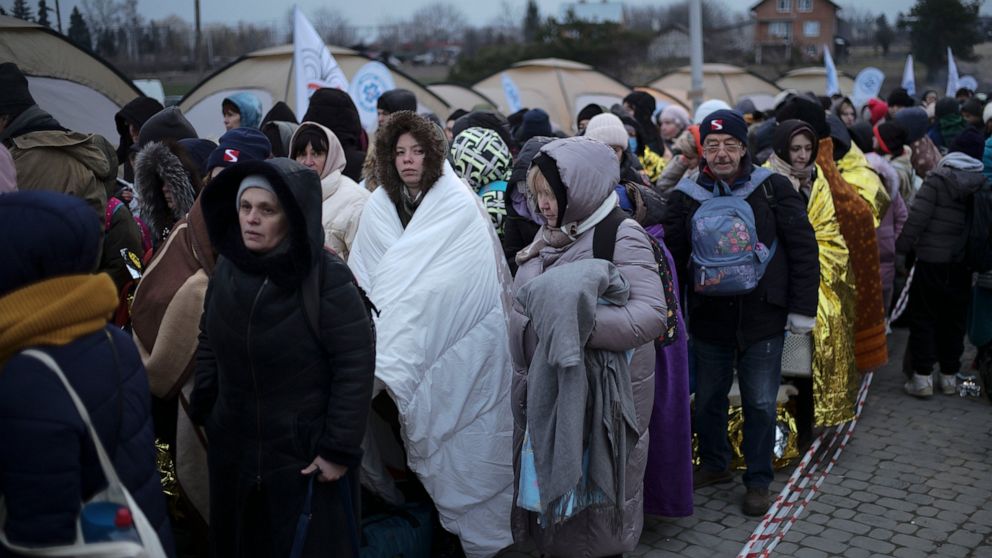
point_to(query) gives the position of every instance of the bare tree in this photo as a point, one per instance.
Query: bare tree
(101, 14)
(438, 21)
(333, 27)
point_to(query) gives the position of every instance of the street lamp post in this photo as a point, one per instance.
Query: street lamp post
(696, 51)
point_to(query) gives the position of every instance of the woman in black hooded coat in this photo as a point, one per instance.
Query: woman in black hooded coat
(283, 392)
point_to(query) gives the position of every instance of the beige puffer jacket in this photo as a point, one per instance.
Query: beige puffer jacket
(343, 199)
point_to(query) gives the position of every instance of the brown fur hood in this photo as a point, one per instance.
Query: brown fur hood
(430, 136)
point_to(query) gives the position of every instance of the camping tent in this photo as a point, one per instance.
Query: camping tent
(814, 79)
(80, 90)
(268, 73)
(662, 98)
(720, 81)
(560, 87)
(459, 96)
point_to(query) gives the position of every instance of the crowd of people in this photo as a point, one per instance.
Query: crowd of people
(523, 329)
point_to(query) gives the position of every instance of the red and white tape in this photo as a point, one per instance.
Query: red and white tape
(788, 506)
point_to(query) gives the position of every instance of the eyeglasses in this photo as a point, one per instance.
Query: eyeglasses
(730, 147)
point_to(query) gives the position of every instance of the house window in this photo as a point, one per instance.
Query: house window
(784, 6)
(811, 29)
(804, 5)
(780, 29)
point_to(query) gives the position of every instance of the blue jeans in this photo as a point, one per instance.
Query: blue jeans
(759, 373)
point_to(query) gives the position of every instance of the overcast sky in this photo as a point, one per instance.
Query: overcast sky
(372, 12)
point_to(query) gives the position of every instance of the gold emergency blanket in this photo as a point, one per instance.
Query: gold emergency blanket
(784, 451)
(856, 170)
(855, 217)
(167, 471)
(835, 372)
(653, 163)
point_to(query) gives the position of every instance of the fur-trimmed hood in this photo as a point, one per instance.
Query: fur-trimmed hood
(431, 138)
(157, 164)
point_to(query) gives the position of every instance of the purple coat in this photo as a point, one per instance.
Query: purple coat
(668, 476)
(891, 224)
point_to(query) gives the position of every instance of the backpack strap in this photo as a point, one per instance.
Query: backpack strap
(604, 235)
(310, 300)
(693, 190)
(759, 177)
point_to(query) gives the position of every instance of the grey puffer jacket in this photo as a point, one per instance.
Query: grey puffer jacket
(935, 227)
(585, 169)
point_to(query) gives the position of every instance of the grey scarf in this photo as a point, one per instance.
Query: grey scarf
(578, 400)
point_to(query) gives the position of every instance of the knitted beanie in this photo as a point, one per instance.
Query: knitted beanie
(608, 129)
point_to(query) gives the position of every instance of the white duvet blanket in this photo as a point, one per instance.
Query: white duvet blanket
(442, 289)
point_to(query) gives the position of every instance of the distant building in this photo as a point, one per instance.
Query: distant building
(594, 12)
(784, 25)
(673, 41)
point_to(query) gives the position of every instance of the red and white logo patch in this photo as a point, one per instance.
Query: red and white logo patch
(716, 125)
(231, 155)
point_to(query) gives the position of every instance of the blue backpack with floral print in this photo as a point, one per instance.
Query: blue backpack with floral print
(727, 257)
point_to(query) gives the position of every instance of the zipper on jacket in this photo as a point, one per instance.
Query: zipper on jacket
(254, 381)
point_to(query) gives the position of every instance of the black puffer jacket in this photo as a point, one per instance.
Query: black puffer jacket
(790, 281)
(271, 397)
(936, 222)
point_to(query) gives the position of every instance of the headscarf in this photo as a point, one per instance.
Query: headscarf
(802, 179)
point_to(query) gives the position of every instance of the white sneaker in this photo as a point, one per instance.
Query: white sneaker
(949, 384)
(919, 386)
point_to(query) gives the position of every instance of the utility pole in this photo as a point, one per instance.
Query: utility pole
(58, 16)
(199, 41)
(696, 51)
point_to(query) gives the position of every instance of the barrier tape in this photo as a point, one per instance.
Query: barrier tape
(903, 301)
(788, 507)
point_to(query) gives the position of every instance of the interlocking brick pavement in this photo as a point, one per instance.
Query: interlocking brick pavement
(915, 480)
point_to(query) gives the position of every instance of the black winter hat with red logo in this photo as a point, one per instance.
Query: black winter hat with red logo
(724, 121)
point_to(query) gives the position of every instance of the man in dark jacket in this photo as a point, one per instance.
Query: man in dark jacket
(48, 464)
(941, 287)
(49, 157)
(746, 330)
(129, 121)
(395, 100)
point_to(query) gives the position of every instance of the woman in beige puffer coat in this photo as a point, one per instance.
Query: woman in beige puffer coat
(317, 147)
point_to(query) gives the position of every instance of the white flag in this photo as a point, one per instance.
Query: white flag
(833, 87)
(313, 65)
(952, 74)
(908, 77)
(511, 92)
(369, 83)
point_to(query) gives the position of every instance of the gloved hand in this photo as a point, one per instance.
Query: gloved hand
(799, 324)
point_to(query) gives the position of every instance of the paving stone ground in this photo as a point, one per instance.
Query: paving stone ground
(914, 481)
